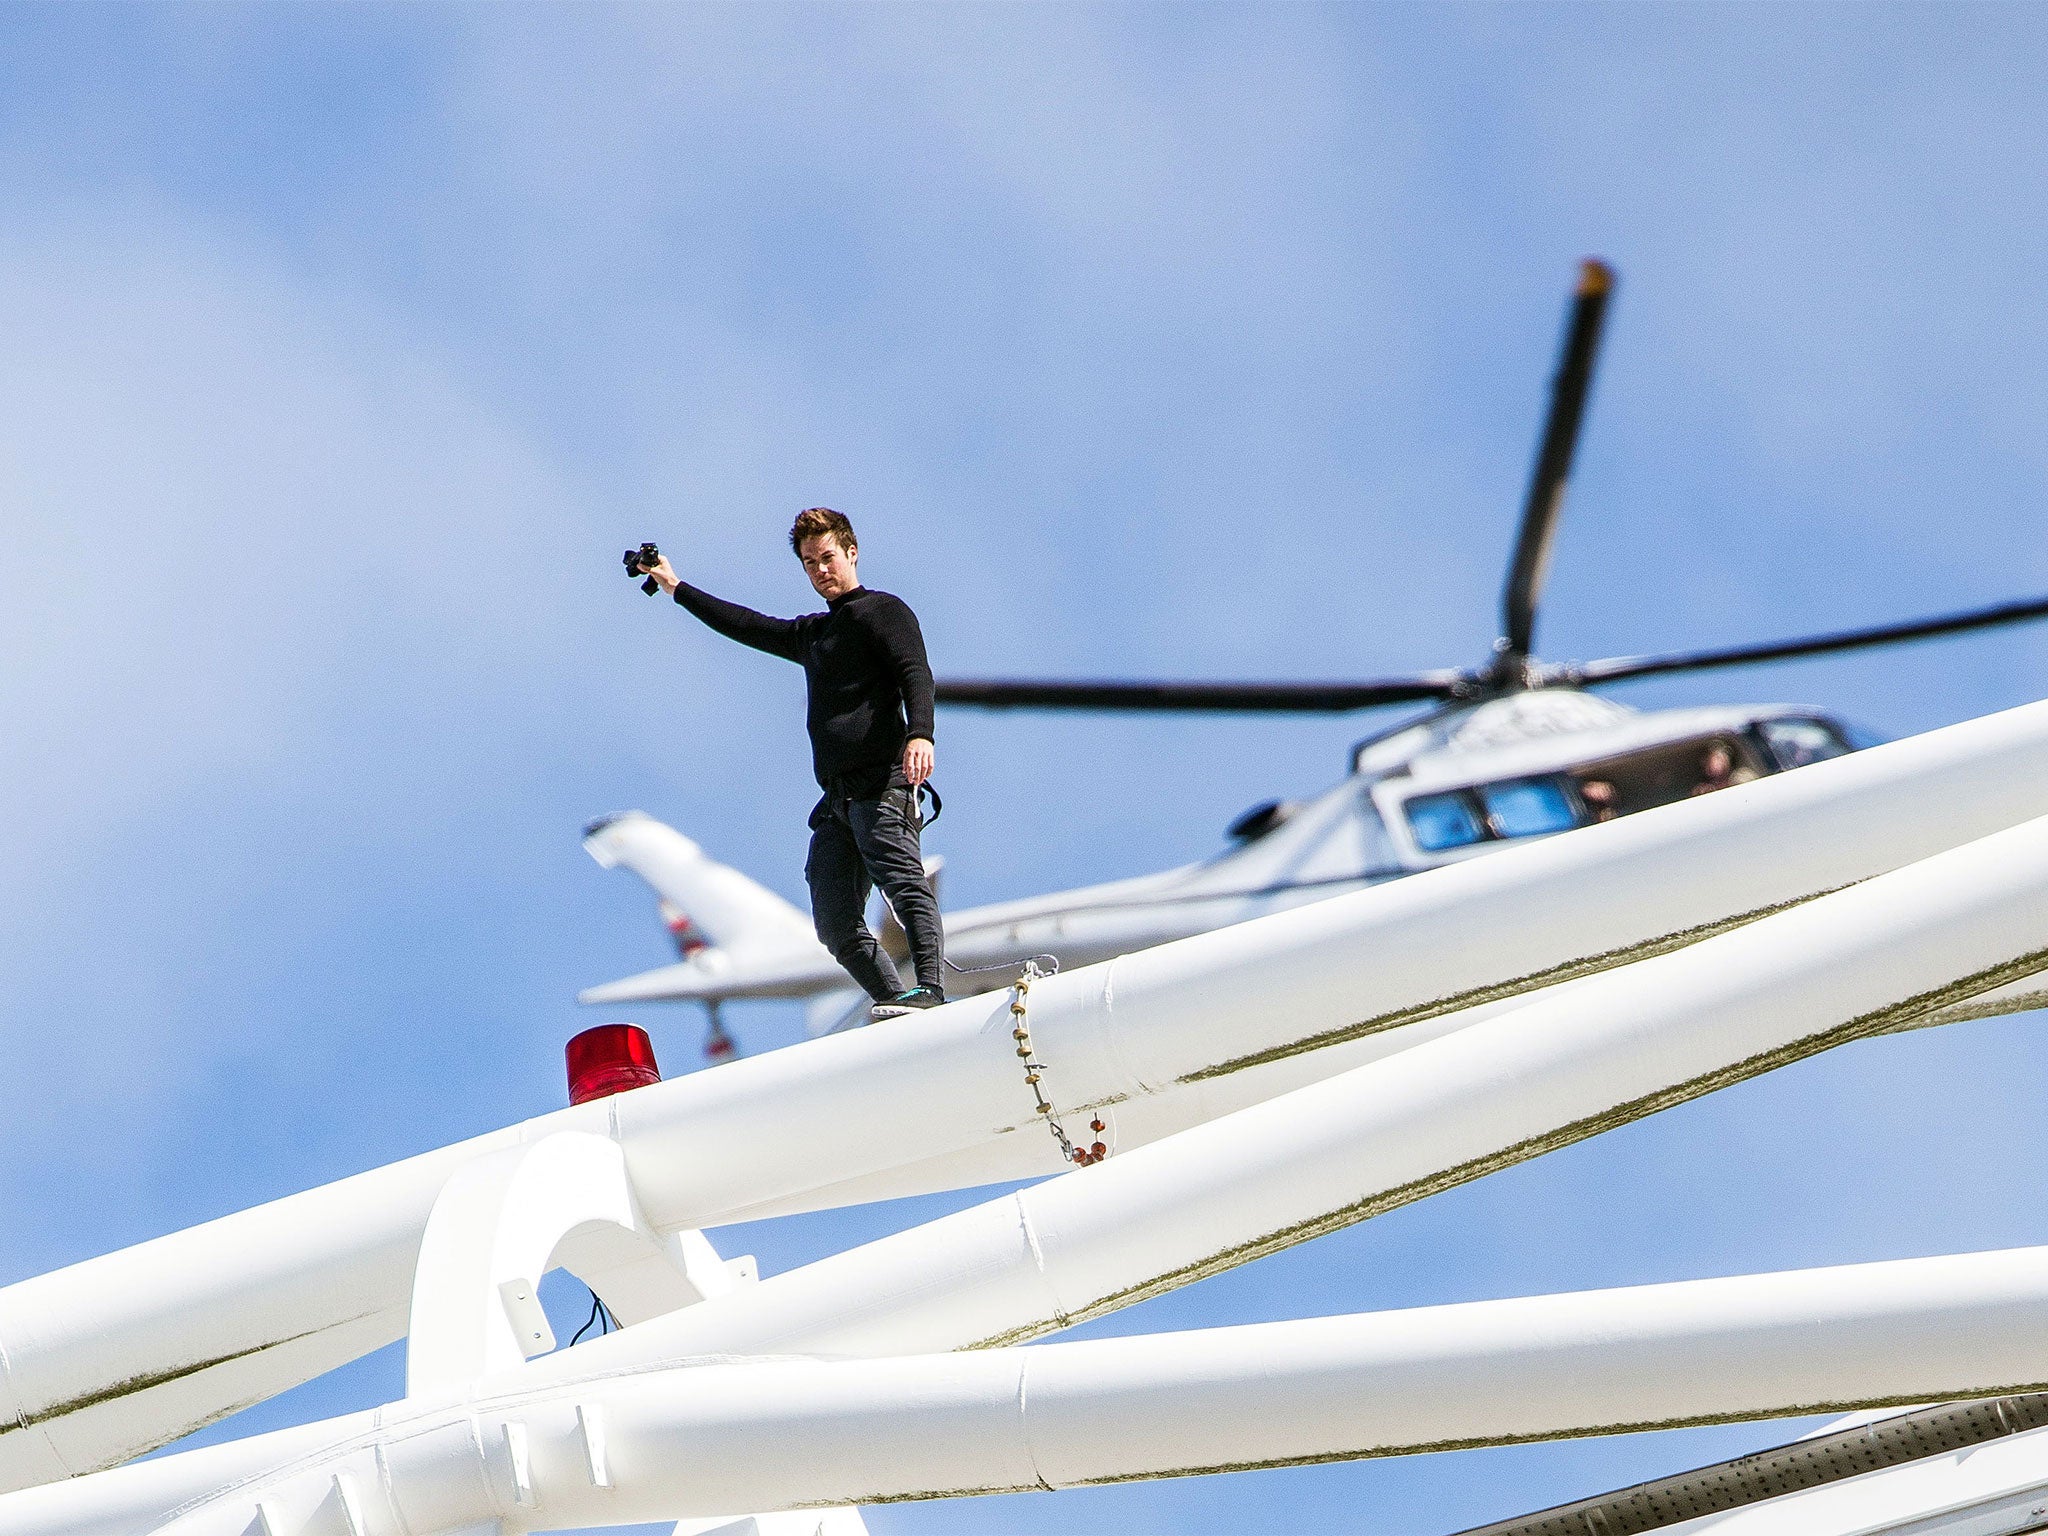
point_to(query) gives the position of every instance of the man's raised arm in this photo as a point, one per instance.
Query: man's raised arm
(775, 636)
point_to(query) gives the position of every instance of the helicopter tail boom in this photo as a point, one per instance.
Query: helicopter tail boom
(705, 904)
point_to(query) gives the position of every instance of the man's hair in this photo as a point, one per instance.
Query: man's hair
(813, 521)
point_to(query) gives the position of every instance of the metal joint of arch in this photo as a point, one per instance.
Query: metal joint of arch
(503, 1220)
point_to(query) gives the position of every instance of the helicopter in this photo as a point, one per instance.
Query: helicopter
(1510, 750)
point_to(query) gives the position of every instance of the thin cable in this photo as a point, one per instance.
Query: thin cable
(1052, 967)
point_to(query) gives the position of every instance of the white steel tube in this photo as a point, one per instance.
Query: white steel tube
(699, 1441)
(118, 1354)
(1141, 1121)
(1616, 1047)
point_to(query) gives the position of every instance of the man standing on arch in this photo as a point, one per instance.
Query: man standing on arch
(870, 721)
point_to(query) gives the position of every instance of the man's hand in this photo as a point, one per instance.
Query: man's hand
(917, 760)
(664, 575)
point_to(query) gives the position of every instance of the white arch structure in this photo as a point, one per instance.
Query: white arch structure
(1258, 1085)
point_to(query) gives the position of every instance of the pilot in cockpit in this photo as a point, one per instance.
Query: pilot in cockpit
(1598, 795)
(1719, 769)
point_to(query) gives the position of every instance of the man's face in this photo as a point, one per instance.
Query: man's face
(830, 565)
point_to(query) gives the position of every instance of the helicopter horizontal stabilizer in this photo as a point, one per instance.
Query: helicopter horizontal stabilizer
(712, 975)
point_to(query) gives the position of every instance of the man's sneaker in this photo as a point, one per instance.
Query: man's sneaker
(908, 1002)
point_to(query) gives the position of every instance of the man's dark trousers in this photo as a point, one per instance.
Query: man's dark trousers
(857, 844)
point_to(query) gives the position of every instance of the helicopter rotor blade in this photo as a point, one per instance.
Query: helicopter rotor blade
(1615, 668)
(1554, 458)
(1263, 698)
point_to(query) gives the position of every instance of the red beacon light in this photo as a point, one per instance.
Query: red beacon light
(610, 1059)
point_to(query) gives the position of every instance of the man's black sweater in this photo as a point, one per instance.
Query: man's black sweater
(869, 684)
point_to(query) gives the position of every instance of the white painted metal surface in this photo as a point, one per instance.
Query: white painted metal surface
(1140, 1121)
(118, 1354)
(1616, 1046)
(697, 1440)
(501, 1222)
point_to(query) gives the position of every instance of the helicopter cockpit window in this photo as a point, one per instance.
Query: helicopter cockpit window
(1529, 807)
(1795, 743)
(1512, 808)
(1445, 821)
(1659, 775)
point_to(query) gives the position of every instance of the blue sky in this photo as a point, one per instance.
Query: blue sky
(348, 345)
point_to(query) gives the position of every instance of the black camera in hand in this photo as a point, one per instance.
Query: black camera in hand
(639, 562)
